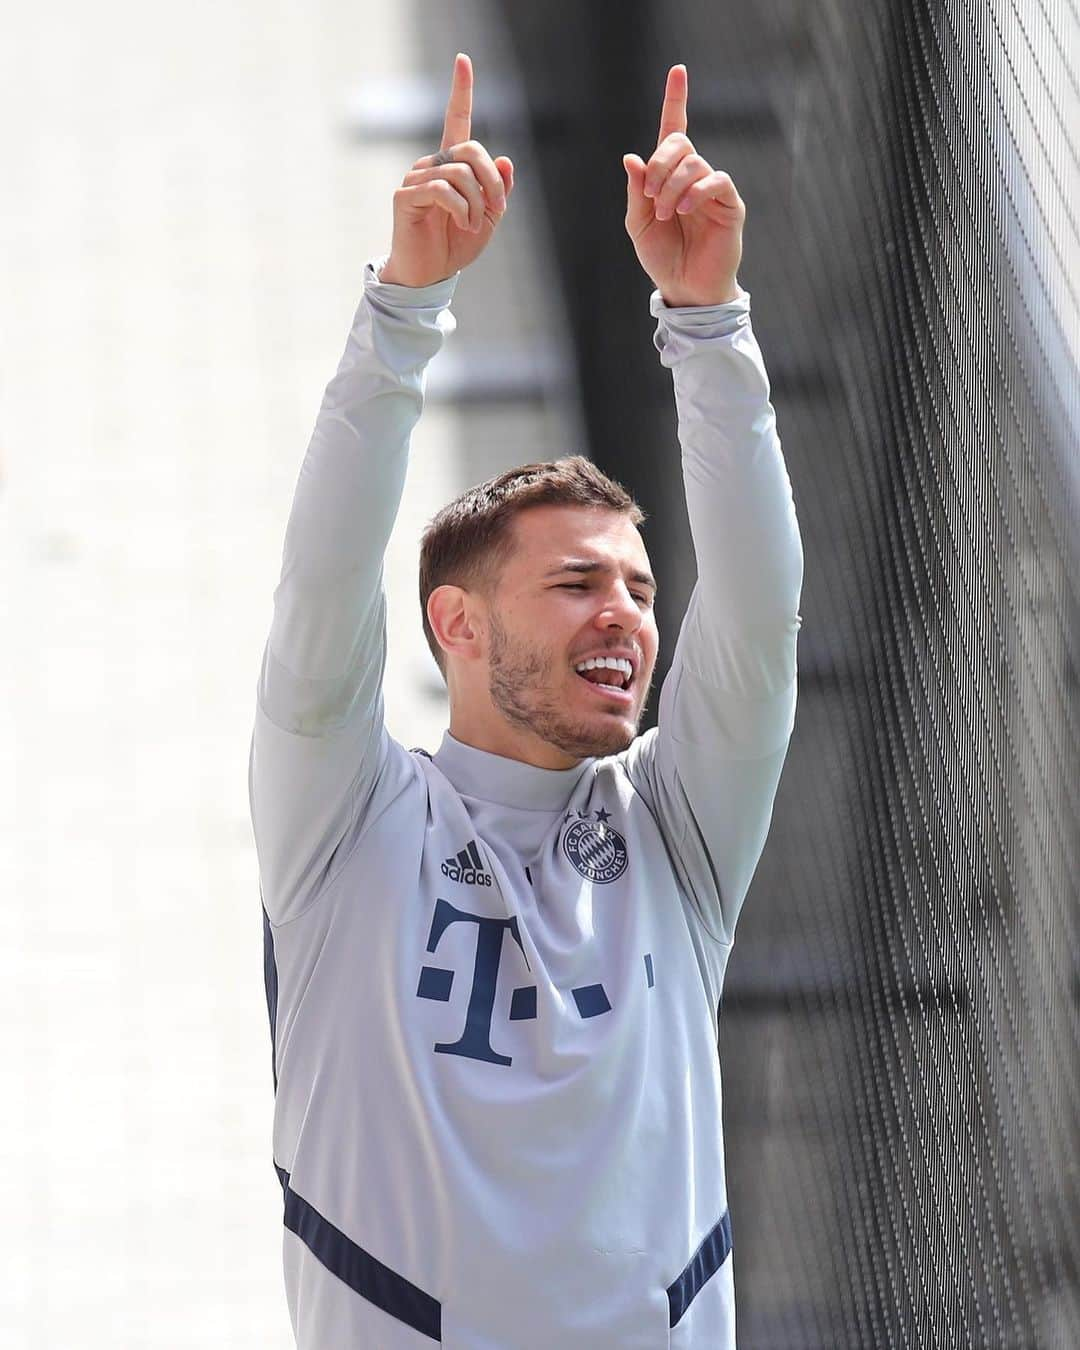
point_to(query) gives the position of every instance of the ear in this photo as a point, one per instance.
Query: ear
(451, 611)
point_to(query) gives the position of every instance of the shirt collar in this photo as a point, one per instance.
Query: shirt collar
(509, 782)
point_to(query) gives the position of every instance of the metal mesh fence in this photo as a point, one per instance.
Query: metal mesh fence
(900, 1035)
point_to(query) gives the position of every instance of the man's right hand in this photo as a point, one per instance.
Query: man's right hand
(445, 214)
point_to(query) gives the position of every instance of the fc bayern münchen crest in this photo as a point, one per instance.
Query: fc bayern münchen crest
(596, 850)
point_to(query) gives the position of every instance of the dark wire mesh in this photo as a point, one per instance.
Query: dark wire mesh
(900, 1034)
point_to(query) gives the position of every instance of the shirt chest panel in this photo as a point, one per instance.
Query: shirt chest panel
(484, 955)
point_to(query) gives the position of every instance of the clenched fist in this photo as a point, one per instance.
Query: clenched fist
(448, 206)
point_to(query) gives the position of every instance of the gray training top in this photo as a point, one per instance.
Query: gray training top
(493, 988)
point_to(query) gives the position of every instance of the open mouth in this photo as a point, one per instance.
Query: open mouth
(610, 677)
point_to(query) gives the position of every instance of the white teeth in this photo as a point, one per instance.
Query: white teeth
(619, 663)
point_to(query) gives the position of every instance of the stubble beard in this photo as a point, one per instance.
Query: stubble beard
(521, 688)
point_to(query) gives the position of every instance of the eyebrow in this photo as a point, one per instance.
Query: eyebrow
(584, 566)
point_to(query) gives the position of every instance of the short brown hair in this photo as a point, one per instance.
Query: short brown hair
(472, 537)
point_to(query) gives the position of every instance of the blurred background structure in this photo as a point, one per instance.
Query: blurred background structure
(190, 195)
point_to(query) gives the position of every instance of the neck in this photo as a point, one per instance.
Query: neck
(495, 735)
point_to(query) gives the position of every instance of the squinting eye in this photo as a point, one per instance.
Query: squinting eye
(572, 585)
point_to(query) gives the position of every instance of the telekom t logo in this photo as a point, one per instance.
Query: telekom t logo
(436, 983)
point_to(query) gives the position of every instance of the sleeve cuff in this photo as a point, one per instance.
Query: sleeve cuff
(702, 320)
(680, 328)
(393, 296)
(658, 307)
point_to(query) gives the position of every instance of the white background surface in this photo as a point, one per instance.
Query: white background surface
(183, 233)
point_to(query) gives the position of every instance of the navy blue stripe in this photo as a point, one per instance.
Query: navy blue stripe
(270, 980)
(707, 1260)
(357, 1268)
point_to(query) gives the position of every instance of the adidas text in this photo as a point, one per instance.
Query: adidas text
(468, 876)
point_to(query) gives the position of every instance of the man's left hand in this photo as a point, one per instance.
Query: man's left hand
(684, 217)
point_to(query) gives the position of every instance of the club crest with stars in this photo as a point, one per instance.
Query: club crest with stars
(597, 850)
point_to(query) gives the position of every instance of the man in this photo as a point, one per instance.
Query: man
(493, 973)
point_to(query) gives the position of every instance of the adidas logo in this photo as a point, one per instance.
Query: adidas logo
(468, 867)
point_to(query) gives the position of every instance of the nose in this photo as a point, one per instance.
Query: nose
(620, 610)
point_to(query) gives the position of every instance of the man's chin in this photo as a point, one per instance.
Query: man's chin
(599, 736)
(586, 733)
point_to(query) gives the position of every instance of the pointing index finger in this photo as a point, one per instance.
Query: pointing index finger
(457, 125)
(673, 113)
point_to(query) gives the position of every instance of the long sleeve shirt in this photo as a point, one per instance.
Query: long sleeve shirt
(493, 988)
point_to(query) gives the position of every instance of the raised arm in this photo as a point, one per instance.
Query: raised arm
(319, 748)
(728, 703)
